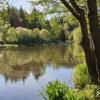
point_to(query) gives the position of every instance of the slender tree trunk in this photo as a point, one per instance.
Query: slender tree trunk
(90, 56)
(95, 30)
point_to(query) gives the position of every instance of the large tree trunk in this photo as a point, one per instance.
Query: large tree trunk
(89, 53)
(94, 29)
(92, 55)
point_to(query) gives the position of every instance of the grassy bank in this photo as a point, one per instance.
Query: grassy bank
(60, 91)
(83, 90)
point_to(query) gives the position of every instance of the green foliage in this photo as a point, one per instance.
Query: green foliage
(12, 35)
(23, 32)
(90, 92)
(78, 53)
(3, 32)
(95, 91)
(45, 34)
(76, 35)
(36, 32)
(70, 37)
(57, 91)
(20, 35)
(81, 75)
(71, 22)
(35, 19)
(84, 95)
(56, 27)
(3, 10)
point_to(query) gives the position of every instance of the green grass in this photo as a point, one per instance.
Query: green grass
(81, 75)
(59, 91)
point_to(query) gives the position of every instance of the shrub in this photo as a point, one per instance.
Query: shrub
(24, 35)
(12, 35)
(57, 91)
(23, 32)
(3, 31)
(75, 35)
(81, 75)
(90, 92)
(36, 32)
(2, 36)
(19, 35)
(44, 34)
(84, 95)
(70, 37)
(4, 28)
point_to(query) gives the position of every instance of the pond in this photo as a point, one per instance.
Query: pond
(25, 71)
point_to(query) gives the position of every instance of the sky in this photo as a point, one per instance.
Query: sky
(21, 3)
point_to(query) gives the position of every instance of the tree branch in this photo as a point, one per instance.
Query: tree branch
(70, 8)
(76, 7)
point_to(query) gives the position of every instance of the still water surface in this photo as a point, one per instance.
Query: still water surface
(24, 71)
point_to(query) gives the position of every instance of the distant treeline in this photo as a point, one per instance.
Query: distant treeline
(21, 27)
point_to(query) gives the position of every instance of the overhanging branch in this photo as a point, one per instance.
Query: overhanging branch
(76, 7)
(70, 8)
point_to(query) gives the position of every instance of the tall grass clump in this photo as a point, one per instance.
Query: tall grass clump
(57, 91)
(81, 75)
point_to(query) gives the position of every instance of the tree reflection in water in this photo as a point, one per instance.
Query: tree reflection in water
(17, 64)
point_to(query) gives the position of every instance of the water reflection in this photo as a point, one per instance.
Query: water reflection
(24, 71)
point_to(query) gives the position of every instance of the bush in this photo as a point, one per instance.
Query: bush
(70, 37)
(90, 92)
(45, 34)
(24, 35)
(23, 32)
(75, 35)
(81, 75)
(84, 95)
(57, 91)
(95, 91)
(12, 35)
(36, 32)
(19, 35)
(3, 31)
(4, 28)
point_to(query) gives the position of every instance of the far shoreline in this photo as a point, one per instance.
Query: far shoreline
(17, 45)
